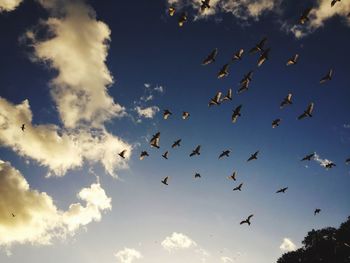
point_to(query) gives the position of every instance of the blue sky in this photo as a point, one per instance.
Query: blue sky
(123, 207)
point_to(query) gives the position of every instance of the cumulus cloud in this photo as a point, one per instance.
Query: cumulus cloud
(148, 112)
(177, 241)
(58, 149)
(9, 5)
(225, 259)
(128, 255)
(36, 219)
(287, 245)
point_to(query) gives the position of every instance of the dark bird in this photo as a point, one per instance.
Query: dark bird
(327, 77)
(205, 5)
(13, 215)
(238, 188)
(263, 57)
(305, 16)
(254, 156)
(122, 154)
(330, 165)
(182, 19)
(233, 176)
(245, 81)
(171, 11)
(23, 127)
(215, 100)
(225, 153)
(286, 101)
(197, 175)
(143, 155)
(283, 190)
(334, 2)
(317, 211)
(293, 60)
(307, 112)
(236, 113)
(228, 95)
(155, 140)
(276, 123)
(238, 55)
(165, 180)
(347, 161)
(308, 157)
(258, 47)
(176, 143)
(166, 114)
(185, 115)
(211, 57)
(244, 87)
(196, 151)
(165, 155)
(247, 221)
(223, 71)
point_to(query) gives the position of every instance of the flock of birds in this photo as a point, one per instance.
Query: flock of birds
(263, 52)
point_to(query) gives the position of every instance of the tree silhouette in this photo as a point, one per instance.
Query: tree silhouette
(328, 245)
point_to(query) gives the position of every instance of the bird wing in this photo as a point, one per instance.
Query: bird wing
(249, 217)
(310, 108)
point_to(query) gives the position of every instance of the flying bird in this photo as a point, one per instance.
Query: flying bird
(293, 60)
(196, 151)
(236, 113)
(122, 154)
(176, 143)
(23, 127)
(308, 157)
(305, 16)
(307, 112)
(276, 123)
(263, 57)
(171, 11)
(334, 2)
(13, 215)
(166, 114)
(211, 57)
(165, 155)
(182, 19)
(347, 161)
(286, 101)
(317, 211)
(247, 221)
(143, 155)
(238, 188)
(258, 47)
(228, 95)
(205, 5)
(330, 165)
(233, 176)
(282, 190)
(165, 180)
(197, 175)
(155, 140)
(254, 156)
(185, 115)
(327, 77)
(247, 77)
(215, 100)
(223, 71)
(238, 55)
(225, 153)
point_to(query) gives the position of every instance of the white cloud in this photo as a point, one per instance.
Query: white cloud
(346, 126)
(148, 112)
(37, 219)
(160, 89)
(287, 245)
(9, 5)
(128, 255)
(58, 149)
(177, 241)
(225, 259)
(322, 162)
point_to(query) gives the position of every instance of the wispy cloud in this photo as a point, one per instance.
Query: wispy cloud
(287, 245)
(177, 241)
(322, 162)
(128, 255)
(148, 112)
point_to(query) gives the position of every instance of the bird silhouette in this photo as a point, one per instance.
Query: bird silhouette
(254, 156)
(197, 175)
(308, 157)
(223, 71)
(317, 211)
(143, 155)
(286, 101)
(13, 215)
(165, 180)
(293, 60)
(205, 5)
(171, 11)
(327, 77)
(196, 151)
(166, 114)
(165, 155)
(182, 19)
(224, 153)
(215, 100)
(276, 123)
(330, 165)
(122, 154)
(211, 57)
(258, 47)
(307, 112)
(185, 115)
(246, 221)
(233, 176)
(236, 113)
(334, 2)
(263, 57)
(305, 16)
(238, 188)
(238, 55)
(228, 95)
(155, 140)
(176, 143)
(282, 190)
(23, 127)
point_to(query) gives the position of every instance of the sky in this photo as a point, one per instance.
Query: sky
(90, 79)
